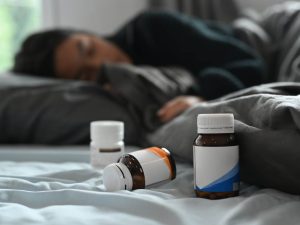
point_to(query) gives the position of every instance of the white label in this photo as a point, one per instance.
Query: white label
(102, 159)
(216, 168)
(154, 166)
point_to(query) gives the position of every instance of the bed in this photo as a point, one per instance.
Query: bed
(56, 185)
(52, 182)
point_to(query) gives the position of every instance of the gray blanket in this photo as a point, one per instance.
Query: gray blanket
(267, 123)
(144, 89)
(52, 111)
(275, 34)
(59, 112)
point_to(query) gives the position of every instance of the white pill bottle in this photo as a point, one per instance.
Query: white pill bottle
(107, 144)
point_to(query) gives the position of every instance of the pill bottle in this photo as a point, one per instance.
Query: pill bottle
(107, 144)
(139, 169)
(216, 157)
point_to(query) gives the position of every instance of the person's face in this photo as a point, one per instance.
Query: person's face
(81, 55)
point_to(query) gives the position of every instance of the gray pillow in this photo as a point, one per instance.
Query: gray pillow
(52, 111)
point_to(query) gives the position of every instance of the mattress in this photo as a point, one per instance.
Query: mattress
(57, 185)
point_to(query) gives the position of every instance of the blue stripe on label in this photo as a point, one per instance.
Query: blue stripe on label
(226, 183)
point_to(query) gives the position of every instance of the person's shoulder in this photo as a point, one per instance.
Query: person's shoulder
(156, 18)
(156, 15)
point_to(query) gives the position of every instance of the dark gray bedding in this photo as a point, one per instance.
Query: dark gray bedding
(275, 34)
(59, 112)
(52, 111)
(144, 89)
(48, 112)
(267, 122)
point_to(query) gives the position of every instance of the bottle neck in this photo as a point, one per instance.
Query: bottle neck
(212, 130)
(126, 175)
(210, 133)
(135, 169)
(108, 144)
(221, 139)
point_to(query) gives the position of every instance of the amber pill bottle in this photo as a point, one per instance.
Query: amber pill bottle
(139, 169)
(216, 157)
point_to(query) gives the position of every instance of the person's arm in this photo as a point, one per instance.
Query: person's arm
(177, 106)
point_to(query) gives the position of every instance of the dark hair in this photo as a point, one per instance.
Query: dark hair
(36, 56)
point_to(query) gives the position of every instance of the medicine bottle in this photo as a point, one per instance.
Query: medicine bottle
(107, 144)
(216, 157)
(139, 169)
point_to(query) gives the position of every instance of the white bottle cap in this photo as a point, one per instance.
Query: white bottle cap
(116, 176)
(107, 131)
(215, 123)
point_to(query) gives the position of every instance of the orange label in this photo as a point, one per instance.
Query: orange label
(164, 155)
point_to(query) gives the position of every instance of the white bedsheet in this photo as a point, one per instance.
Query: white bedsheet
(60, 192)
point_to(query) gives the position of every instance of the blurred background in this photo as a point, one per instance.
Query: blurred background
(18, 18)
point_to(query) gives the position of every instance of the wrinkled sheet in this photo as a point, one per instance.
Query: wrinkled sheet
(71, 192)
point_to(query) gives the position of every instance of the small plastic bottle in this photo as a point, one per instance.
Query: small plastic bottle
(107, 144)
(139, 169)
(216, 157)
